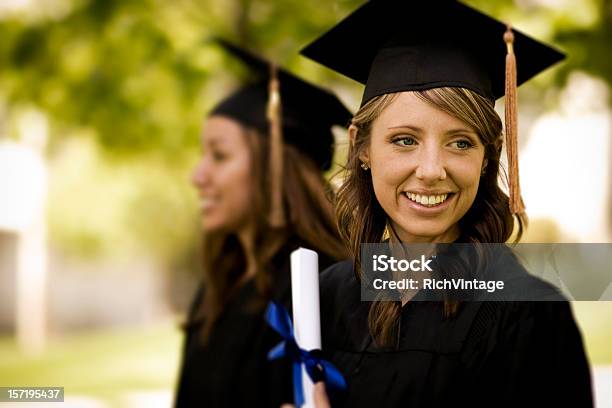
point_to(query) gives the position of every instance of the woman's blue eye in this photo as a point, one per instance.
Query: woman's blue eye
(463, 144)
(405, 141)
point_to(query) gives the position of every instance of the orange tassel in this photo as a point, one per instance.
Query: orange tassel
(516, 201)
(274, 115)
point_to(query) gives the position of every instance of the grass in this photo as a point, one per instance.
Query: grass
(103, 364)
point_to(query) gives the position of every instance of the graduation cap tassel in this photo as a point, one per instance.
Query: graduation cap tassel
(277, 217)
(516, 201)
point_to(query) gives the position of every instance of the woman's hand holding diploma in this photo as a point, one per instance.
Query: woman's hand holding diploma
(319, 397)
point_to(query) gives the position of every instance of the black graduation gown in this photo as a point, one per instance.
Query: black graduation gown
(232, 370)
(493, 354)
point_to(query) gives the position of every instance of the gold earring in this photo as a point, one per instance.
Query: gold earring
(365, 166)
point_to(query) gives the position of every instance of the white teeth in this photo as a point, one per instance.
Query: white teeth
(427, 200)
(206, 202)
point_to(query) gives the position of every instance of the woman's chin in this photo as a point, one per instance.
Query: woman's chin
(211, 225)
(424, 231)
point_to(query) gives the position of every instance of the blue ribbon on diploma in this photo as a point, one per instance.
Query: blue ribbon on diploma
(316, 367)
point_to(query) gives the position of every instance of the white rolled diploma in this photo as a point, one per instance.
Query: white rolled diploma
(306, 313)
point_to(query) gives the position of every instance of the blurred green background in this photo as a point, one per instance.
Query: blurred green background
(118, 90)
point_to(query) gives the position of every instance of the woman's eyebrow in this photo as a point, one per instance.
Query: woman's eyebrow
(449, 132)
(415, 128)
(460, 130)
(214, 141)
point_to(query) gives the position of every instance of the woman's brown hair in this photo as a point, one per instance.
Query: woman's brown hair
(307, 200)
(361, 219)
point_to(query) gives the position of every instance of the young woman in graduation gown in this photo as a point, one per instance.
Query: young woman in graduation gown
(423, 167)
(246, 252)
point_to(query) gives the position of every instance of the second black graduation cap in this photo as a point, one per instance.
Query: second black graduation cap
(402, 45)
(308, 111)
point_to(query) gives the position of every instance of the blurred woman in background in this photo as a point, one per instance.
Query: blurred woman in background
(249, 236)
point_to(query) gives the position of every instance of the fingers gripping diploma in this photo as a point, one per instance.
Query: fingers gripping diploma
(319, 397)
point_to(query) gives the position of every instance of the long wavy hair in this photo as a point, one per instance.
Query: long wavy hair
(361, 219)
(307, 199)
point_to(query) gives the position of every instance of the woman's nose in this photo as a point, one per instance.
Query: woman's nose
(430, 167)
(200, 177)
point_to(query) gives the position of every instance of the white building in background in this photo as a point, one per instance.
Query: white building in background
(23, 258)
(566, 164)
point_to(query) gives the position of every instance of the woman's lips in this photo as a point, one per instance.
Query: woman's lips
(426, 210)
(207, 203)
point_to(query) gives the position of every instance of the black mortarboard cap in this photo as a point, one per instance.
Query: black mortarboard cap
(402, 45)
(308, 111)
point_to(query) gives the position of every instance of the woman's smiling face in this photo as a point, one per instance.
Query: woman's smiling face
(223, 176)
(426, 167)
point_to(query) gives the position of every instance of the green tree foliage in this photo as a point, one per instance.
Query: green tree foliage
(582, 29)
(590, 45)
(135, 71)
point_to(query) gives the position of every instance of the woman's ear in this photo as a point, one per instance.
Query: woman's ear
(364, 155)
(484, 166)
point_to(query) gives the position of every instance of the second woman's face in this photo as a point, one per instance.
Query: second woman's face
(426, 167)
(223, 176)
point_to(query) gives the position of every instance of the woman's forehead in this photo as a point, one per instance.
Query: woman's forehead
(410, 111)
(222, 130)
